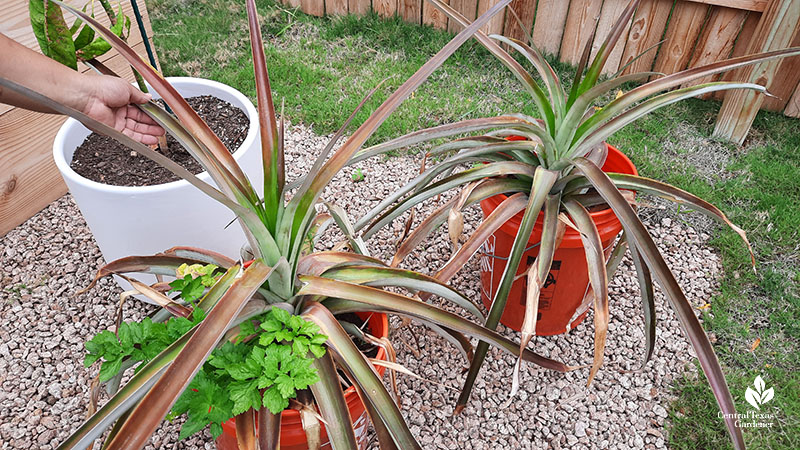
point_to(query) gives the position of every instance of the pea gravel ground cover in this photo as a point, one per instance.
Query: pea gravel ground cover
(752, 318)
(323, 66)
(43, 385)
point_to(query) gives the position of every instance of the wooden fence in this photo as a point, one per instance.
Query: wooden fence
(29, 180)
(694, 32)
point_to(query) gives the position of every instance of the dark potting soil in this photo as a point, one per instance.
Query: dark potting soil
(371, 351)
(104, 160)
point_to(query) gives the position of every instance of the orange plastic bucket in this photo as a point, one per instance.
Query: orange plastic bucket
(568, 280)
(292, 435)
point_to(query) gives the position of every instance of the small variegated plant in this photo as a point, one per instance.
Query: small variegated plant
(556, 171)
(286, 274)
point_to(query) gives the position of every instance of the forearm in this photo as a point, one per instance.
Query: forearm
(39, 73)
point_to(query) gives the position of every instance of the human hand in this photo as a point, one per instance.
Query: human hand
(110, 100)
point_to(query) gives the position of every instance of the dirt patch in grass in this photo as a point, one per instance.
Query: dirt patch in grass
(710, 158)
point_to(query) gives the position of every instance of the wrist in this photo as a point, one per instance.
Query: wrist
(79, 91)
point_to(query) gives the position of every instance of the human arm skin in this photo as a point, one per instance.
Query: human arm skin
(107, 99)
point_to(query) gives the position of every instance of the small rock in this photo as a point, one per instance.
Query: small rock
(580, 429)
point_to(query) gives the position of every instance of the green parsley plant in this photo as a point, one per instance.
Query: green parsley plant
(192, 280)
(269, 361)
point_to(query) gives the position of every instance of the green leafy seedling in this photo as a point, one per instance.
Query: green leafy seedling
(247, 373)
(193, 280)
(252, 373)
(69, 45)
(358, 175)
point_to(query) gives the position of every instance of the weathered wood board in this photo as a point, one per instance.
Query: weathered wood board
(612, 10)
(495, 25)
(467, 8)
(359, 7)
(786, 79)
(336, 7)
(411, 11)
(647, 27)
(682, 33)
(775, 31)
(548, 28)
(432, 16)
(385, 8)
(717, 39)
(581, 23)
(313, 7)
(520, 27)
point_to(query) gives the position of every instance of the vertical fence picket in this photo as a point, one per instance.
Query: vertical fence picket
(682, 33)
(717, 39)
(786, 79)
(433, 17)
(410, 10)
(740, 47)
(774, 31)
(336, 7)
(385, 8)
(647, 28)
(793, 107)
(581, 21)
(495, 25)
(612, 9)
(313, 7)
(526, 10)
(467, 8)
(548, 29)
(359, 7)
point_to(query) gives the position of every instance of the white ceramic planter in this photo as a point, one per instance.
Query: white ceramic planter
(128, 221)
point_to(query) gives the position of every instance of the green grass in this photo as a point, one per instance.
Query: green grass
(758, 190)
(322, 68)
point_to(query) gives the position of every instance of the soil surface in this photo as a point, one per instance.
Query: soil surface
(104, 160)
(366, 348)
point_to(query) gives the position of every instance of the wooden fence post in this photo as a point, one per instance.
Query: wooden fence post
(495, 25)
(313, 7)
(648, 25)
(432, 16)
(774, 32)
(359, 7)
(526, 10)
(468, 8)
(410, 11)
(336, 7)
(385, 8)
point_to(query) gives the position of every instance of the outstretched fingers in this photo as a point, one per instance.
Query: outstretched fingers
(132, 122)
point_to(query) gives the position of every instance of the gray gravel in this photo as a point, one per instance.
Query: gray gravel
(44, 387)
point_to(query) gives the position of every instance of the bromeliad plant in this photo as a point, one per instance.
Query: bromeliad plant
(556, 171)
(286, 275)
